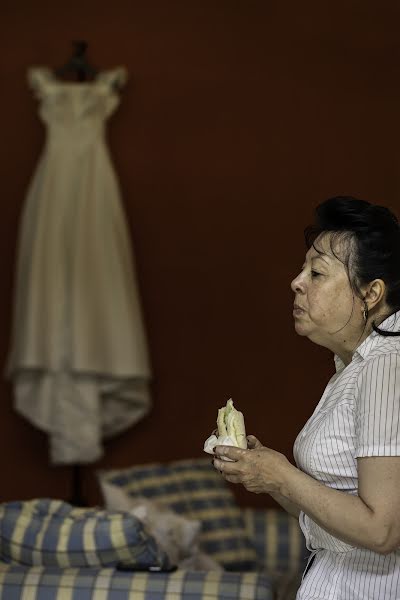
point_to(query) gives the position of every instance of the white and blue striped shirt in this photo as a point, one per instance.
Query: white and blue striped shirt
(357, 416)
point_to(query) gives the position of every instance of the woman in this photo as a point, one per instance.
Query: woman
(345, 489)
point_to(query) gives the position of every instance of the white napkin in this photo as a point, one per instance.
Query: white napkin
(222, 440)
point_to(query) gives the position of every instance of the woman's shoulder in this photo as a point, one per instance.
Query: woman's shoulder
(379, 373)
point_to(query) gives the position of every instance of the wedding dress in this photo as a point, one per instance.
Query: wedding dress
(78, 358)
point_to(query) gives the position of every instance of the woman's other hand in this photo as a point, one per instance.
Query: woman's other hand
(259, 469)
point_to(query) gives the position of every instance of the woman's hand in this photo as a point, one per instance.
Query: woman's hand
(259, 469)
(253, 442)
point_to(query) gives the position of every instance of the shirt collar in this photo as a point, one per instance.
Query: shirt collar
(391, 323)
(339, 364)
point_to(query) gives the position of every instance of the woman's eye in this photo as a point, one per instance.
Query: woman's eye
(315, 273)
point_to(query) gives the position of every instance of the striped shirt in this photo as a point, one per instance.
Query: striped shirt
(357, 416)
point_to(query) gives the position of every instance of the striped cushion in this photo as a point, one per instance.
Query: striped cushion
(278, 540)
(53, 533)
(195, 489)
(51, 583)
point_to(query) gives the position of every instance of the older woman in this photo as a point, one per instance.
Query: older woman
(345, 489)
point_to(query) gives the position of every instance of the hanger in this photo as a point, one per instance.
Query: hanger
(78, 64)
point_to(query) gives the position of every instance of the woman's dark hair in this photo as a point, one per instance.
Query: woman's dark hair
(372, 244)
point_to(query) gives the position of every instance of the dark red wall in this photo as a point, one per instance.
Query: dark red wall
(239, 117)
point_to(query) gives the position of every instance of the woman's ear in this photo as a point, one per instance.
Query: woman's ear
(375, 293)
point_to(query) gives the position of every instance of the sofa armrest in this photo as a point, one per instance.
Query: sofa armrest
(21, 582)
(278, 540)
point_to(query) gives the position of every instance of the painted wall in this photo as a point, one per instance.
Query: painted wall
(238, 118)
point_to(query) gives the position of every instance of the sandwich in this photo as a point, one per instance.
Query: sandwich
(231, 424)
(231, 429)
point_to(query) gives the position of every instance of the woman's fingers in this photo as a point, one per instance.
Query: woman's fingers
(259, 469)
(231, 452)
(231, 478)
(253, 442)
(225, 468)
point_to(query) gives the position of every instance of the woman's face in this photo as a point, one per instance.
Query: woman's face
(325, 308)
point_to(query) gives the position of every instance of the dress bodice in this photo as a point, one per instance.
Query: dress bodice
(75, 110)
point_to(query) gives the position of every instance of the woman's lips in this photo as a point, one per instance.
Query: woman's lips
(297, 311)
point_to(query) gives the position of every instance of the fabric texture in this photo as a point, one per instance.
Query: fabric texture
(78, 357)
(174, 533)
(271, 529)
(38, 583)
(278, 540)
(280, 547)
(357, 416)
(46, 532)
(193, 488)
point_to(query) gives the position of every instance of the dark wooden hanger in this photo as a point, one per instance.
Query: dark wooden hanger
(78, 66)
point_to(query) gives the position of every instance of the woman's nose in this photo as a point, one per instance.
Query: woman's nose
(296, 284)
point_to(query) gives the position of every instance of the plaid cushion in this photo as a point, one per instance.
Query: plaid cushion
(194, 488)
(53, 533)
(50, 583)
(278, 540)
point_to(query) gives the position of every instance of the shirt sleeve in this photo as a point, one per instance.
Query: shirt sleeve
(377, 415)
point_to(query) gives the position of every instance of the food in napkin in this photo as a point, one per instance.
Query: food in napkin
(231, 429)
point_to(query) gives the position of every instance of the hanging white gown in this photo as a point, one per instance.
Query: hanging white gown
(78, 356)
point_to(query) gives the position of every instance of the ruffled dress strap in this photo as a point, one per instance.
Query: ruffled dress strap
(41, 80)
(109, 82)
(113, 78)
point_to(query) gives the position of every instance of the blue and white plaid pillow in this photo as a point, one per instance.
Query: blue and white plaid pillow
(46, 532)
(278, 540)
(195, 490)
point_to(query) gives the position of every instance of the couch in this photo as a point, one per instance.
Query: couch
(269, 537)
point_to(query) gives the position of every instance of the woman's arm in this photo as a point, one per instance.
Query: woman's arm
(370, 520)
(286, 504)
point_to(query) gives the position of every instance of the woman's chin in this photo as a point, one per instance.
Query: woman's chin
(300, 328)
